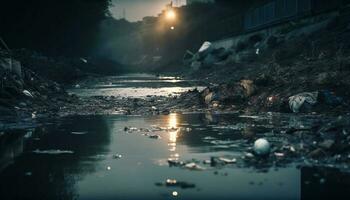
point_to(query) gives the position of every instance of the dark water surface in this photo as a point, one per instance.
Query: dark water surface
(93, 157)
(74, 158)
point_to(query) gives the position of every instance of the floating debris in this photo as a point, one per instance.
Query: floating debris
(261, 147)
(194, 166)
(53, 152)
(117, 156)
(175, 183)
(157, 137)
(79, 132)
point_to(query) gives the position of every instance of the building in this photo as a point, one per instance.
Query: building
(189, 2)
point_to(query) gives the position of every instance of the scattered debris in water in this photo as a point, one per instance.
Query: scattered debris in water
(117, 156)
(53, 152)
(175, 183)
(262, 147)
(79, 132)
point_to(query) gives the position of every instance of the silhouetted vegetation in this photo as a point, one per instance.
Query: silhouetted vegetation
(56, 27)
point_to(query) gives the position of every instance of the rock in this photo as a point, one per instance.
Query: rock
(329, 98)
(17, 68)
(325, 78)
(245, 56)
(154, 137)
(249, 87)
(261, 147)
(327, 144)
(6, 63)
(316, 153)
(196, 65)
(208, 98)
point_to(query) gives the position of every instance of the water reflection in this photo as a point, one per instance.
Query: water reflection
(92, 172)
(137, 85)
(173, 132)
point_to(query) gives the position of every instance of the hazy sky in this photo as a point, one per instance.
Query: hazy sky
(137, 9)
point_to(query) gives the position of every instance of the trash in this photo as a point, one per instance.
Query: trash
(228, 161)
(305, 99)
(175, 183)
(117, 156)
(193, 166)
(208, 98)
(154, 137)
(221, 161)
(279, 154)
(175, 163)
(28, 94)
(261, 147)
(33, 115)
(205, 47)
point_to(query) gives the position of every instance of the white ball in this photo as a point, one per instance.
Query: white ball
(261, 147)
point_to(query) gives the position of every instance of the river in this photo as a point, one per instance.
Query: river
(119, 157)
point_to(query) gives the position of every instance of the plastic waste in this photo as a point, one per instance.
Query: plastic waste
(296, 102)
(205, 46)
(28, 94)
(262, 147)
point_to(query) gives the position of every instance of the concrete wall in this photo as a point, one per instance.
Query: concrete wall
(306, 26)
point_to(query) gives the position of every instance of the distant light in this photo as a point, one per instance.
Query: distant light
(172, 28)
(175, 194)
(170, 15)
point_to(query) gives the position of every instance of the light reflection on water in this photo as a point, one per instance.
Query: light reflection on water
(135, 85)
(84, 174)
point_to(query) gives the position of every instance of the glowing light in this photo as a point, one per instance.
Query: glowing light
(172, 28)
(170, 15)
(175, 194)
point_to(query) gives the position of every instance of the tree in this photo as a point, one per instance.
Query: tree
(59, 27)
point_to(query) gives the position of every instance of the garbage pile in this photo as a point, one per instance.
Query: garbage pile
(247, 94)
(206, 56)
(24, 90)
